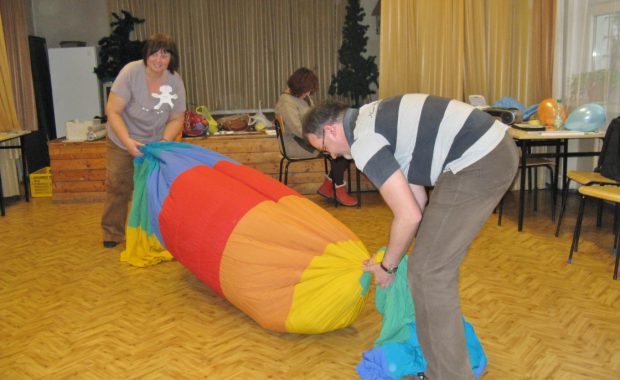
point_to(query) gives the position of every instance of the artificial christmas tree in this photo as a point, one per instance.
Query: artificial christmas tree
(353, 79)
(117, 50)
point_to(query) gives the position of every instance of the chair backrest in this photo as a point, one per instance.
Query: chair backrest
(609, 158)
(279, 126)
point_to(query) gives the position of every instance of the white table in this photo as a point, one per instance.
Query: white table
(557, 138)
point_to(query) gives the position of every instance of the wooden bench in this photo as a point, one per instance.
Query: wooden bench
(79, 168)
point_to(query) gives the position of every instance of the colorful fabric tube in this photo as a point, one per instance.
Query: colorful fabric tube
(275, 255)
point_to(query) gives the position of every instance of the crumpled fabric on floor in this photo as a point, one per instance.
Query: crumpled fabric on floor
(397, 351)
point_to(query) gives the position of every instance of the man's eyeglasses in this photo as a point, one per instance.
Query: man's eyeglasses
(323, 144)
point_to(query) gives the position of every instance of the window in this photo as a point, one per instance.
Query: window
(590, 53)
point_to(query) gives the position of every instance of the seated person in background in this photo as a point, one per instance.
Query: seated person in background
(294, 102)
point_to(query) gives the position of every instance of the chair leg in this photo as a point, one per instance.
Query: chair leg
(334, 197)
(500, 211)
(599, 214)
(326, 168)
(553, 186)
(286, 173)
(280, 173)
(616, 216)
(562, 207)
(535, 192)
(616, 243)
(529, 179)
(358, 187)
(574, 246)
(357, 184)
(349, 178)
(616, 264)
(2, 207)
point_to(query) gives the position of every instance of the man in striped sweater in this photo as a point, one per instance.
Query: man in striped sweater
(404, 144)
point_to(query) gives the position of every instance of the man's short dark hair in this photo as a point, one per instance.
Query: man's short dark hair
(329, 111)
(160, 41)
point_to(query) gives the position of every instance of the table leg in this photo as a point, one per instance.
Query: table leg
(557, 177)
(564, 163)
(522, 184)
(1, 197)
(22, 143)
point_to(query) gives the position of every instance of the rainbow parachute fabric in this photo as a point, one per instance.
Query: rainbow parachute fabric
(272, 253)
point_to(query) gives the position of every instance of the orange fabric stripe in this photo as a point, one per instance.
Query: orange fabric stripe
(268, 252)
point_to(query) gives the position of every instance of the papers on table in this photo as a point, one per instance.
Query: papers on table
(528, 127)
(562, 132)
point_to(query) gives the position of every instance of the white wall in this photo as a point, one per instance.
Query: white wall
(69, 20)
(372, 47)
(88, 20)
(371, 21)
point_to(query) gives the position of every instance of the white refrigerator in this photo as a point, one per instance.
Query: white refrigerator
(75, 87)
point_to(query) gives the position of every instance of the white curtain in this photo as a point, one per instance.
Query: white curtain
(237, 53)
(587, 68)
(587, 63)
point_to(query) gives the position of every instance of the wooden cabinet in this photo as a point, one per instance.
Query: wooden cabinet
(79, 168)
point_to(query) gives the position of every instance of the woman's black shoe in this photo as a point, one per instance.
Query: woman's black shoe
(109, 244)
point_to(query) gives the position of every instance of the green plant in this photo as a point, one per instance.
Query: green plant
(353, 79)
(117, 50)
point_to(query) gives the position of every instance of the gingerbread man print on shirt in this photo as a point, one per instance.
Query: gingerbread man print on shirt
(165, 96)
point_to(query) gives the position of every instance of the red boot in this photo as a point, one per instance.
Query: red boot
(343, 197)
(326, 188)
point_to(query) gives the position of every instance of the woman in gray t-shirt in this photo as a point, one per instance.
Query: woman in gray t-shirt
(146, 104)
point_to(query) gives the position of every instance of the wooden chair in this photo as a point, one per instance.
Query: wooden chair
(534, 164)
(605, 193)
(583, 178)
(280, 127)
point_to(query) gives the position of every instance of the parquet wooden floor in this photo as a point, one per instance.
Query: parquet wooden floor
(69, 309)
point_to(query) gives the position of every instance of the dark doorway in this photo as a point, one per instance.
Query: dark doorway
(36, 143)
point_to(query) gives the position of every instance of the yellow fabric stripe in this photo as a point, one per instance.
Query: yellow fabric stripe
(142, 249)
(330, 295)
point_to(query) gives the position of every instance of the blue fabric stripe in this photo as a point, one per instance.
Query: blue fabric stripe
(167, 160)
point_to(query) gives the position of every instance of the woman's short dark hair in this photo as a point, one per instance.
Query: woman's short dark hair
(302, 81)
(160, 41)
(317, 117)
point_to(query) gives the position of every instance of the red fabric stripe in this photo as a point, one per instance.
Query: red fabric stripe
(199, 214)
(256, 180)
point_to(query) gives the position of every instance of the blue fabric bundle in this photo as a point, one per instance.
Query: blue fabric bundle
(397, 351)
